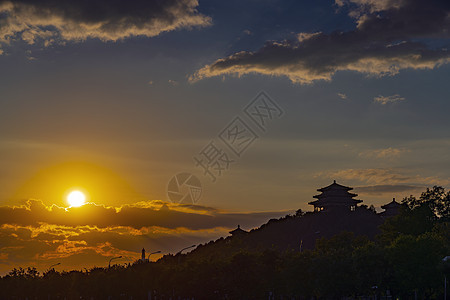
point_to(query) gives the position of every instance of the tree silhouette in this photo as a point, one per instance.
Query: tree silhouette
(403, 260)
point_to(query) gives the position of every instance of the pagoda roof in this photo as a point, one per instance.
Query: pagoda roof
(325, 195)
(238, 230)
(335, 190)
(391, 205)
(335, 195)
(335, 186)
(346, 201)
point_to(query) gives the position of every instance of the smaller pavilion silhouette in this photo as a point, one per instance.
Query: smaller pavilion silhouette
(335, 197)
(238, 231)
(391, 209)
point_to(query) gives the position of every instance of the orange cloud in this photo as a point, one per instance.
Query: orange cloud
(34, 234)
(34, 212)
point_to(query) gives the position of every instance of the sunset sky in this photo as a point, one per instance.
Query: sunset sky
(114, 98)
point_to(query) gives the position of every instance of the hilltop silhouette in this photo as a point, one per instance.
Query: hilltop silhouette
(339, 251)
(335, 212)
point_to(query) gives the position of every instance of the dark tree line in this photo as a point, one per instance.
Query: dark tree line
(405, 260)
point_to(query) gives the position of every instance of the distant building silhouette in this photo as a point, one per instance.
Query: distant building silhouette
(335, 197)
(143, 259)
(238, 231)
(391, 209)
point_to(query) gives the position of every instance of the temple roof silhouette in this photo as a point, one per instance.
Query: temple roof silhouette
(391, 209)
(335, 196)
(334, 185)
(391, 205)
(238, 231)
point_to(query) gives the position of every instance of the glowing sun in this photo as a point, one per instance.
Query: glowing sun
(76, 198)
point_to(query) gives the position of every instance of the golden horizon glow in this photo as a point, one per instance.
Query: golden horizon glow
(54, 182)
(76, 198)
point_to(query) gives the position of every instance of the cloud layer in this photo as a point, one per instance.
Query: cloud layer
(383, 153)
(139, 215)
(388, 189)
(389, 36)
(382, 176)
(69, 20)
(384, 181)
(34, 234)
(383, 100)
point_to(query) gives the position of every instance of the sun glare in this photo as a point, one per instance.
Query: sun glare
(76, 198)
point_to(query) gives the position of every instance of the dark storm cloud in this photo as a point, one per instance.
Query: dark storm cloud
(34, 212)
(108, 20)
(389, 36)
